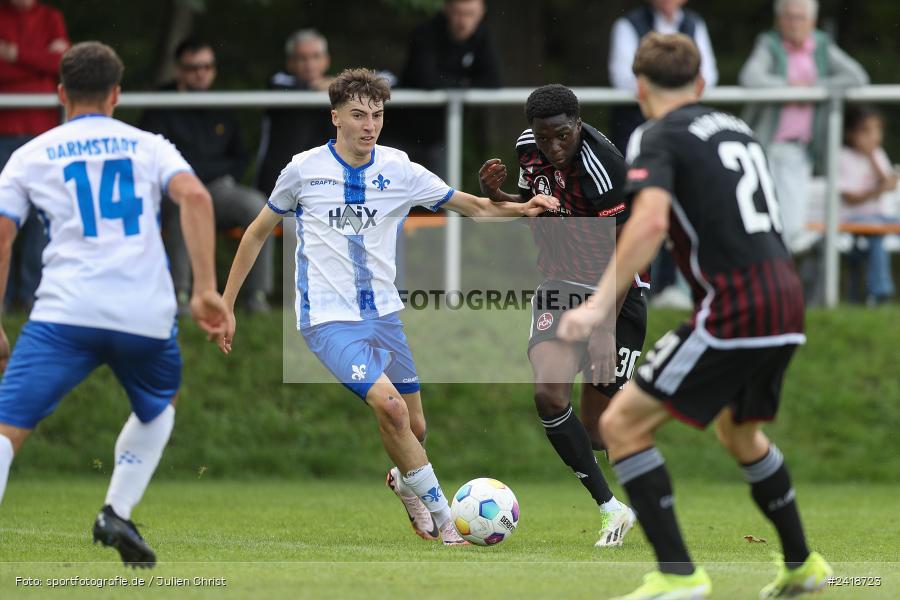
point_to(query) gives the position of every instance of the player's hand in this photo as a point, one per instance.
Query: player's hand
(577, 324)
(4, 350)
(491, 176)
(224, 340)
(602, 352)
(210, 312)
(540, 204)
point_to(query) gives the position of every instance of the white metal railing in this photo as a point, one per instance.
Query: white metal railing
(456, 101)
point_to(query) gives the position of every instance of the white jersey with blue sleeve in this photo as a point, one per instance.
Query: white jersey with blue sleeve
(348, 220)
(97, 183)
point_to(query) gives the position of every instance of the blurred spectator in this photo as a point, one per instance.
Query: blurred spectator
(664, 16)
(453, 49)
(288, 131)
(868, 184)
(210, 140)
(32, 41)
(795, 54)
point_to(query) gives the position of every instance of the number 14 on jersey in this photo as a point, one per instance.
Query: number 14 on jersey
(128, 207)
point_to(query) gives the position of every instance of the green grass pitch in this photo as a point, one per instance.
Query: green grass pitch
(333, 539)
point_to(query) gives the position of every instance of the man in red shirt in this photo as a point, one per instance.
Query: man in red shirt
(32, 41)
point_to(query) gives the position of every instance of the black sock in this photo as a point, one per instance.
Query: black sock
(770, 486)
(571, 441)
(649, 489)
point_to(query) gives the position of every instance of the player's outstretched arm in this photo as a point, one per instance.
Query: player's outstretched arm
(199, 229)
(8, 233)
(491, 177)
(254, 238)
(638, 243)
(484, 208)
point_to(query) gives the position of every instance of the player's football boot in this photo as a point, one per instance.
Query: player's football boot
(811, 576)
(665, 586)
(614, 525)
(450, 536)
(421, 520)
(113, 530)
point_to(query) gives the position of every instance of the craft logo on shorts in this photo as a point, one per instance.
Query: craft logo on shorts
(560, 180)
(541, 185)
(544, 321)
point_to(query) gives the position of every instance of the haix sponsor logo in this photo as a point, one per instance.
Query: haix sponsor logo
(357, 218)
(612, 211)
(323, 182)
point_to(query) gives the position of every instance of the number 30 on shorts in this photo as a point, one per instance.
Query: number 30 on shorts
(626, 365)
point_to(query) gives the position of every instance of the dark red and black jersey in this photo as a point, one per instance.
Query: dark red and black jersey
(573, 244)
(724, 224)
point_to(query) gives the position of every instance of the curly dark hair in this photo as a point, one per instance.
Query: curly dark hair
(551, 100)
(356, 84)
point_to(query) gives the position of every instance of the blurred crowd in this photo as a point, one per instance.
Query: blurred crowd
(455, 49)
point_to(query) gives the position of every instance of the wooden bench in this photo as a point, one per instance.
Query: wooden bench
(859, 228)
(236, 233)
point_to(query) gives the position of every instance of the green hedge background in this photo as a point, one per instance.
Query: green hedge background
(235, 419)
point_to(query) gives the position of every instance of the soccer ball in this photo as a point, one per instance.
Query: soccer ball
(485, 511)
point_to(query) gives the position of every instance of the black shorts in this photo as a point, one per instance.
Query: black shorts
(696, 381)
(553, 298)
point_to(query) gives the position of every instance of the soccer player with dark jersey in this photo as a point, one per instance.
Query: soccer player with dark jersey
(566, 158)
(700, 175)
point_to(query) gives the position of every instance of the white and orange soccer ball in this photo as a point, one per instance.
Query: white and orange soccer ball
(485, 511)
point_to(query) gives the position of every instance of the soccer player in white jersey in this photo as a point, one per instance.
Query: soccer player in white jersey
(105, 296)
(349, 196)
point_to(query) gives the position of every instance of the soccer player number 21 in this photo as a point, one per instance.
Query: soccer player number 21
(751, 160)
(128, 208)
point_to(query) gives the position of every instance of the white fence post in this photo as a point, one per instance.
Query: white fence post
(832, 198)
(453, 233)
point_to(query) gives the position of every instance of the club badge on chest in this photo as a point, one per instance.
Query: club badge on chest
(560, 180)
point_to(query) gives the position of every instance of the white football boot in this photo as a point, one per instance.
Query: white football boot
(615, 524)
(450, 536)
(421, 520)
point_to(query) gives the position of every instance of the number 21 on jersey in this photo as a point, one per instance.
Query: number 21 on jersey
(750, 160)
(128, 208)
